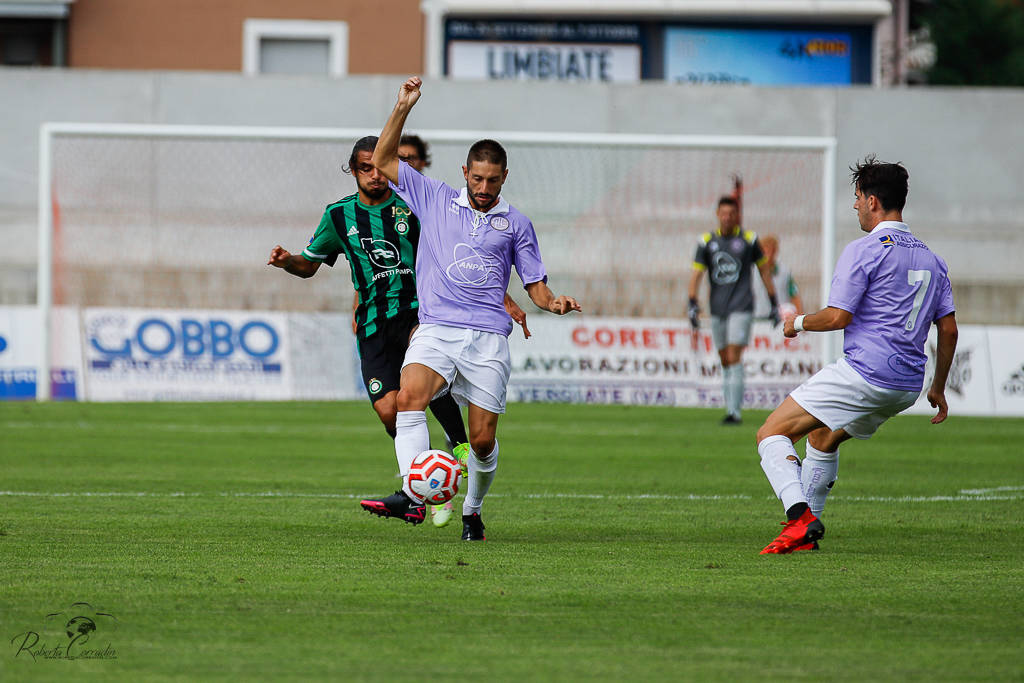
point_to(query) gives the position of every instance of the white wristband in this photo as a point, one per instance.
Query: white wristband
(798, 323)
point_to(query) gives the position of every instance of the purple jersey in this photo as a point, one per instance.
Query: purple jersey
(465, 257)
(895, 287)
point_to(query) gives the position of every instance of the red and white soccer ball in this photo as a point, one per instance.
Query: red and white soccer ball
(434, 476)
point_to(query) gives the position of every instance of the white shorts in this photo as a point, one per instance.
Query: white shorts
(842, 399)
(475, 365)
(731, 329)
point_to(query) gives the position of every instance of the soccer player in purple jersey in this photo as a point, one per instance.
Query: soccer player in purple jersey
(469, 242)
(887, 290)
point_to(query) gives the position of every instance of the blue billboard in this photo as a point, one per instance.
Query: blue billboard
(756, 56)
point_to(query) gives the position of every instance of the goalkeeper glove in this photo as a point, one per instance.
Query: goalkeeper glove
(693, 312)
(773, 314)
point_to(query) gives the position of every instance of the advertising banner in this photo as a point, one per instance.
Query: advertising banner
(544, 62)
(324, 360)
(650, 361)
(158, 355)
(754, 56)
(969, 384)
(1006, 347)
(544, 51)
(21, 348)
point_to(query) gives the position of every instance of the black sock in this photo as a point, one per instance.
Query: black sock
(796, 511)
(448, 413)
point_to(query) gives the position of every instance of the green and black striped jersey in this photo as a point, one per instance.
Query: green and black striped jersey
(380, 245)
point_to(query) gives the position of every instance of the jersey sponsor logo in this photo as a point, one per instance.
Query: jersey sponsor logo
(381, 253)
(352, 231)
(904, 366)
(374, 386)
(725, 269)
(468, 267)
(401, 227)
(499, 223)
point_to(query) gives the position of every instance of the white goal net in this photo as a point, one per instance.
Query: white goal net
(184, 217)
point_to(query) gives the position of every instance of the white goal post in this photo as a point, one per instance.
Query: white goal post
(617, 215)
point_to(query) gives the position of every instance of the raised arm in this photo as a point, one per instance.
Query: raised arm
(385, 156)
(947, 335)
(296, 264)
(541, 295)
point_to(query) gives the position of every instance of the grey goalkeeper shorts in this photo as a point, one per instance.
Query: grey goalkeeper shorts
(731, 329)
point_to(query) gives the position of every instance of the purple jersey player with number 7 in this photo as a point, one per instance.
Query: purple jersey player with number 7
(887, 290)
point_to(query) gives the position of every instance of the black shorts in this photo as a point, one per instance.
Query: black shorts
(382, 353)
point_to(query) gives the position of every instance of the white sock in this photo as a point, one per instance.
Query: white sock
(783, 474)
(411, 439)
(734, 378)
(481, 474)
(818, 476)
(727, 388)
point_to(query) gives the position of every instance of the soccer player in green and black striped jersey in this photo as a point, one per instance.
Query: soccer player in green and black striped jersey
(378, 234)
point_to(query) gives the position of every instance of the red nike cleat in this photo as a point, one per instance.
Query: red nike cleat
(809, 546)
(796, 534)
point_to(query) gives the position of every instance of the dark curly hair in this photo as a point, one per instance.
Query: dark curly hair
(889, 183)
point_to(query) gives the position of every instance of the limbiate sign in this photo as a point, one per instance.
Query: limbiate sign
(544, 51)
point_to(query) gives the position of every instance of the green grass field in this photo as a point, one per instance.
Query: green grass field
(227, 542)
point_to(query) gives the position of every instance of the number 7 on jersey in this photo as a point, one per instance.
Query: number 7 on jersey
(922, 278)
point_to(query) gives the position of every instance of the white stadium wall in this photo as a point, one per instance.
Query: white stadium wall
(959, 144)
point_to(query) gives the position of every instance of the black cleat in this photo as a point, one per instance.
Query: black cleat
(472, 527)
(731, 419)
(397, 505)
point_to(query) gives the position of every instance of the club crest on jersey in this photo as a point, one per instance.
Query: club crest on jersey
(499, 223)
(374, 386)
(401, 227)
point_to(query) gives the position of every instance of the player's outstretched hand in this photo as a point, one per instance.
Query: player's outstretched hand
(563, 305)
(409, 93)
(518, 315)
(279, 257)
(937, 399)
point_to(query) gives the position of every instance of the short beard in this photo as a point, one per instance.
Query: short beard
(375, 194)
(472, 200)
